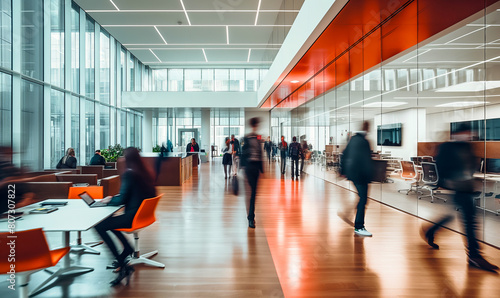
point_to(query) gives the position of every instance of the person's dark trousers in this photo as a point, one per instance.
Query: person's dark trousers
(283, 163)
(110, 224)
(269, 155)
(465, 203)
(362, 189)
(252, 172)
(295, 162)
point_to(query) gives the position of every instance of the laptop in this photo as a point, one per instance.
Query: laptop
(90, 201)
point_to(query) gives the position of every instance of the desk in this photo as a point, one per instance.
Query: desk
(75, 216)
(495, 178)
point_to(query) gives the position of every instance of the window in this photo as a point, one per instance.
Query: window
(31, 125)
(207, 79)
(131, 78)
(57, 42)
(5, 110)
(251, 80)
(104, 67)
(159, 80)
(89, 58)
(57, 149)
(75, 49)
(104, 127)
(32, 38)
(6, 34)
(192, 80)
(222, 80)
(175, 80)
(75, 125)
(236, 80)
(89, 130)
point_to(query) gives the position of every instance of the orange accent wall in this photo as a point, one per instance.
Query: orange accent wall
(364, 34)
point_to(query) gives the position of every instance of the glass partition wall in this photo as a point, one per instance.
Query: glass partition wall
(413, 101)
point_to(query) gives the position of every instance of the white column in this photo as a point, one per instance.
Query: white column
(147, 127)
(205, 130)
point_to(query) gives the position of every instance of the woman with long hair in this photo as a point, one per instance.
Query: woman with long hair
(137, 184)
(68, 161)
(227, 158)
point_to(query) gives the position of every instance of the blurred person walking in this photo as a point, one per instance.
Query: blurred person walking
(456, 164)
(295, 151)
(283, 148)
(305, 150)
(357, 165)
(268, 146)
(252, 159)
(235, 147)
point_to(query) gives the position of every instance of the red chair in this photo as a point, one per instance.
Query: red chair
(144, 217)
(32, 255)
(96, 192)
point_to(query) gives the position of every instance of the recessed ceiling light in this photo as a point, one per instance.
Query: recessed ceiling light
(461, 104)
(384, 104)
(471, 86)
(294, 81)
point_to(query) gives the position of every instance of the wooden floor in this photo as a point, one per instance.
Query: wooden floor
(300, 248)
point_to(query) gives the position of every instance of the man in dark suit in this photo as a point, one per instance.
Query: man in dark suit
(357, 165)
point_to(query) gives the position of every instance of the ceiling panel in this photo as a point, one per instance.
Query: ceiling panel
(144, 55)
(194, 35)
(95, 4)
(222, 5)
(276, 18)
(180, 55)
(251, 34)
(263, 55)
(135, 35)
(139, 18)
(148, 4)
(226, 55)
(222, 18)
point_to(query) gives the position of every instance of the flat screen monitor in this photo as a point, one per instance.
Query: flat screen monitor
(389, 134)
(492, 165)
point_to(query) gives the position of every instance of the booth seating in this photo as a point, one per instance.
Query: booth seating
(111, 185)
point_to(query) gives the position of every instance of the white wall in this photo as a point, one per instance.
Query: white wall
(264, 126)
(413, 129)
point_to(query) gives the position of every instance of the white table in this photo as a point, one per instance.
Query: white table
(75, 216)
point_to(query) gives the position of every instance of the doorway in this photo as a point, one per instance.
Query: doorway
(185, 136)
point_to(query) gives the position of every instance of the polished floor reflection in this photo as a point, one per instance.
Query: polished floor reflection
(300, 248)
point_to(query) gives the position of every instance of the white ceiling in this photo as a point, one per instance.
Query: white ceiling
(180, 33)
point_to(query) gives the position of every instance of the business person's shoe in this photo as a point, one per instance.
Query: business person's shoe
(124, 273)
(251, 224)
(428, 237)
(481, 263)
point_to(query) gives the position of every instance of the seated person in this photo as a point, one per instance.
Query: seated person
(97, 159)
(68, 161)
(136, 186)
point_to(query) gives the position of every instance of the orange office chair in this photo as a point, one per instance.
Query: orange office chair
(32, 254)
(96, 192)
(410, 174)
(144, 217)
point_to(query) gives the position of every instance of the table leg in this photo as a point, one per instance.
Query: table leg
(63, 271)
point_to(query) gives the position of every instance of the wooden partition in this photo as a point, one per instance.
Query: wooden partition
(431, 149)
(174, 170)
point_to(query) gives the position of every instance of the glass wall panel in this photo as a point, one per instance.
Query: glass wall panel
(131, 76)
(57, 42)
(251, 80)
(207, 79)
(175, 79)
(75, 49)
(89, 57)
(160, 80)
(123, 128)
(57, 149)
(32, 125)
(32, 38)
(222, 80)
(89, 130)
(192, 80)
(138, 75)
(131, 135)
(75, 127)
(6, 33)
(123, 68)
(237, 80)
(104, 126)
(5, 110)
(138, 132)
(104, 65)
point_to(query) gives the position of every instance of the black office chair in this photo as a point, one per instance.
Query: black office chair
(430, 179)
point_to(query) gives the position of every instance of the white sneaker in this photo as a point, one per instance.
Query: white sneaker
(362, 232)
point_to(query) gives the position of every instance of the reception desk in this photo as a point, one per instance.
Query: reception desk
(175, 167)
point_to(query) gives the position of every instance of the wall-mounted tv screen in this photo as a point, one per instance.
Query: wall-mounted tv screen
(482, 130)
(389, 134)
